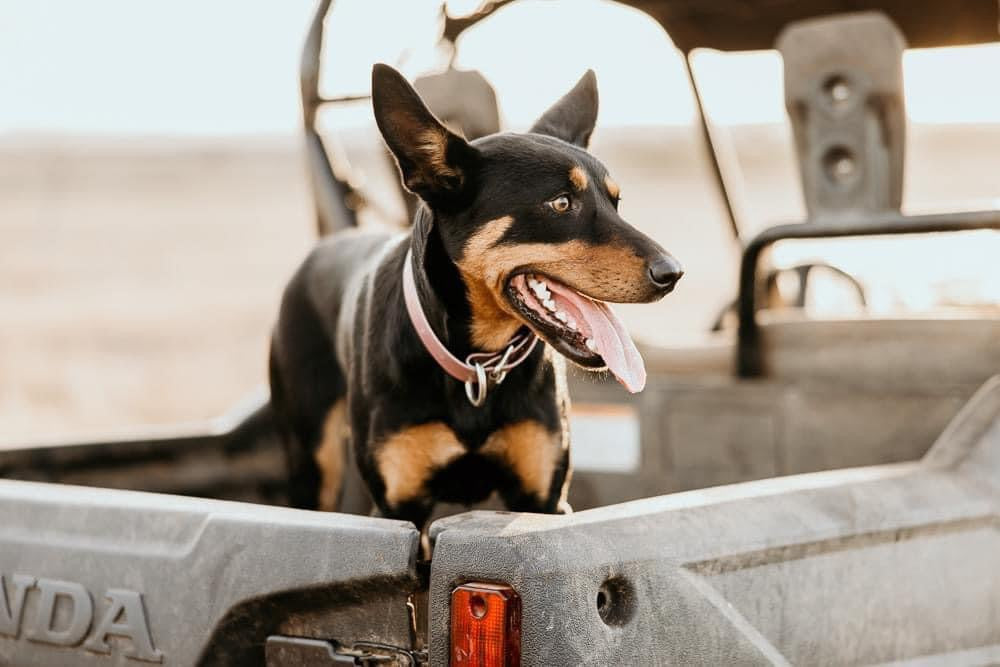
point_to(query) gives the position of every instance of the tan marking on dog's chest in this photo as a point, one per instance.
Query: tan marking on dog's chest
(408, 459)
(531, 451)
(578, 177)
(612, 187)
(329, 456)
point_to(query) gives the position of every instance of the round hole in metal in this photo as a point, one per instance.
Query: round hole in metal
(838, 90)
(616, 601)
(840, 165)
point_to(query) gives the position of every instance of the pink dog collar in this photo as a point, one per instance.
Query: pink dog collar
(480, 369)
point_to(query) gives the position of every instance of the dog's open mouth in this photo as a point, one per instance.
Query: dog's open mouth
(584, 330)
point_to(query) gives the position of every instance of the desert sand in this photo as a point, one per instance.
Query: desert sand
(139, 278)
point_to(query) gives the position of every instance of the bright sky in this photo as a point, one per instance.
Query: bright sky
(229, 67)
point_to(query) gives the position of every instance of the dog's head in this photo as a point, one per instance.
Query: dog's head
(531, 222)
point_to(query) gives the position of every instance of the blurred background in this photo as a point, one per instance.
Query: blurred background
(154, 196)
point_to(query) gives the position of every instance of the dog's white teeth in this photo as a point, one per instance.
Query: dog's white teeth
(540, 290)
(591, 345)
(549, 304)
(571, 324)
(561, 316)
(532, 283)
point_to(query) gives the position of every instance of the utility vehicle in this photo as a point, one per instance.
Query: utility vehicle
(870, 535)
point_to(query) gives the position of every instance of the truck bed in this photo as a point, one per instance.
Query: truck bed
(865, 566)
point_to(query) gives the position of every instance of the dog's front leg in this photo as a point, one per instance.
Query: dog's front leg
(401, 462)
(538, 460)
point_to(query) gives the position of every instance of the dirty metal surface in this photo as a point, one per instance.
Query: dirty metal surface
(99, 577)
(868, 565)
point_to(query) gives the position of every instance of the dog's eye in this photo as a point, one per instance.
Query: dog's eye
(560, 204)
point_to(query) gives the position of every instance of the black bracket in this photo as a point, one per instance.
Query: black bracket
(304, 652)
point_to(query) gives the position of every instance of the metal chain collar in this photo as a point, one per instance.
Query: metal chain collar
(491, 367)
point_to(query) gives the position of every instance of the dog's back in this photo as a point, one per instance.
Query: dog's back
(307, 376)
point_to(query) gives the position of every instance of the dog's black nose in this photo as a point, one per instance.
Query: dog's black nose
(665, 271)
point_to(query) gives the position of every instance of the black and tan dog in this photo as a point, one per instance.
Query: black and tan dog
(519, 234)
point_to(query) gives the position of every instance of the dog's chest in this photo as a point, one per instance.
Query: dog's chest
(420, 459)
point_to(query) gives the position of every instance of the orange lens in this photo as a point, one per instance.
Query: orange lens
(485, 626)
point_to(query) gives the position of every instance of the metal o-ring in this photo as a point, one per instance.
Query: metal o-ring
(480, 397)
(499, 372)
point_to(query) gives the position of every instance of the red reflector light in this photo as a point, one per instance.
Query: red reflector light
(485, 626)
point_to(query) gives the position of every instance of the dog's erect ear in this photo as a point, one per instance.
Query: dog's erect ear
(434, 161)
(573, 117)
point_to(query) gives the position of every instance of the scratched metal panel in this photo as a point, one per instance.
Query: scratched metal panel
(869, 565)
(104, 577)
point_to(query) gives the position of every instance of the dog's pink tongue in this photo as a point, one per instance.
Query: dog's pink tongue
(616, 346)
(613, 342)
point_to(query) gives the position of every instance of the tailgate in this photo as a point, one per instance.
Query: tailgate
(857, 566)
(102, 577)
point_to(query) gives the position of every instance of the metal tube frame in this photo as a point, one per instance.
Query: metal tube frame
(749, 362)
(721, 169)
(331, 192)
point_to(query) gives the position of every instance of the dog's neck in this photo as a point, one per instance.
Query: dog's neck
(439, 284)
